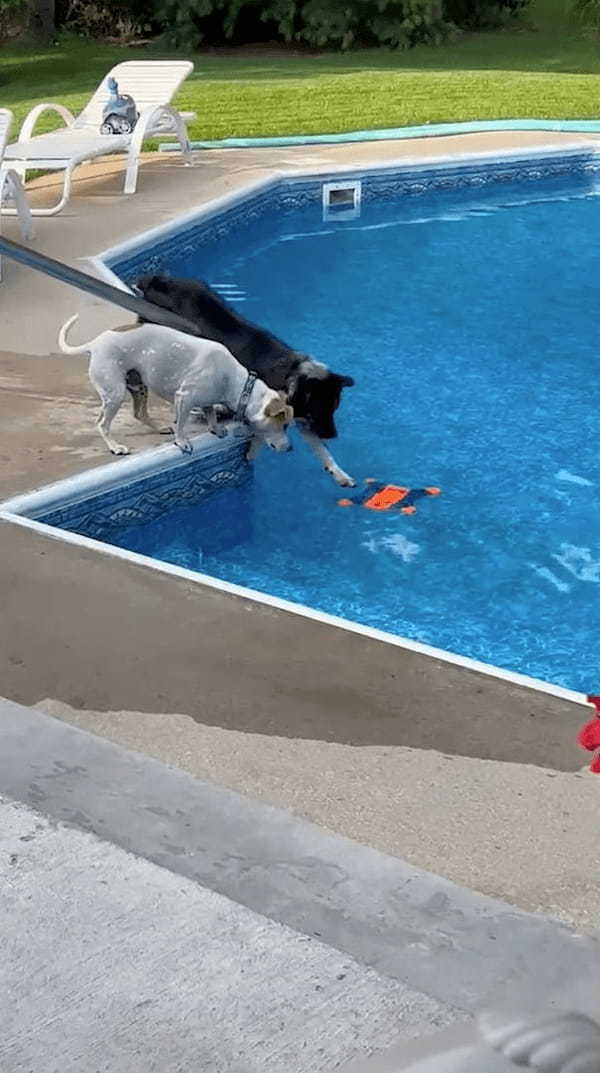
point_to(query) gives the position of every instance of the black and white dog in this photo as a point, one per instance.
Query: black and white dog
(312, 390)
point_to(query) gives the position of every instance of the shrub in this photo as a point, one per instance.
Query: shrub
(321, 24)
(14, 17)
(586, 12)
(90, 18)
(482, 14)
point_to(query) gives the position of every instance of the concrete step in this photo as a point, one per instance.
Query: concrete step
(449, 950)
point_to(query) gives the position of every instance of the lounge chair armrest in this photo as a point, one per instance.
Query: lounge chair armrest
(148, 125)
(32, 117)
(161, 119)
(11, 186)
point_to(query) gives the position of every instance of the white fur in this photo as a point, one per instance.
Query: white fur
(191, 372)
(316, 369)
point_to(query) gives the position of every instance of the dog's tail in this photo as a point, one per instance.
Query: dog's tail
(62, 339)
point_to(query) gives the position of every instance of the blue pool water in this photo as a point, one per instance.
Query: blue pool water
(471, 328)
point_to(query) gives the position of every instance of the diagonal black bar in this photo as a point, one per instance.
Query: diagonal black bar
(84, 282)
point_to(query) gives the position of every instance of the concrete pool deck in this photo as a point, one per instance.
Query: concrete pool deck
(441, 775)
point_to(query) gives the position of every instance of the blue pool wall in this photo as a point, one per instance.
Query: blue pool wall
(179, 247)
(136, 495)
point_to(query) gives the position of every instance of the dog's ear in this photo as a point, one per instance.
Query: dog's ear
(275, 407)
(278, 410)
(346, 381)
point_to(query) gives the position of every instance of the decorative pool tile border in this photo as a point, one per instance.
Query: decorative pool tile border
(183, 240)
(102, 514)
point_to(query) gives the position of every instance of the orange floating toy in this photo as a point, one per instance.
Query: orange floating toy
(379, 496)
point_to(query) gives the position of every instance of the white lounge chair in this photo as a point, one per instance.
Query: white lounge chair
(11, 187)
(151, 83)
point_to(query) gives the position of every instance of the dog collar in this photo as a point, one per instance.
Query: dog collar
(240, 413)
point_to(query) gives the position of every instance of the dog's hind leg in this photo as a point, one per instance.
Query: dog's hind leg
(325, 458)
(111, 404)
(112, 390)
(139, 397)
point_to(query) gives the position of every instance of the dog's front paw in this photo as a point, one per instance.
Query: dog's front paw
(185, 446)
(343, 479)
(219, 432)
(119, 449)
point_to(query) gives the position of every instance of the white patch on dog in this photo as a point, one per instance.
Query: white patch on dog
(398, 544)
(316, 369)
(579, 562)
(572, 478)
(547, 575)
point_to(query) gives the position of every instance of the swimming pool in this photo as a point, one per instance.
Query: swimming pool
(463, 300)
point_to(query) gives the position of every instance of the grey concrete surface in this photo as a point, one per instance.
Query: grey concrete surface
(51, 410)
(463, 1035)
(100, 215)
(439, 939)
(107, 634)
(453, 815)
(110, 963)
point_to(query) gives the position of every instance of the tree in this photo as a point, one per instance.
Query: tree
(41, 20)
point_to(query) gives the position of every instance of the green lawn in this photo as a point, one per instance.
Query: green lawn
(542, 71)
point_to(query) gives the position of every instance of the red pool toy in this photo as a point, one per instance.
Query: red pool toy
(589, 736)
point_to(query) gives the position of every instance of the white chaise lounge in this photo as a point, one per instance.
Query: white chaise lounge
(12, 194)
(151, 83)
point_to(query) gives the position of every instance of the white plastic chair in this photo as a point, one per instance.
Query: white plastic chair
(151, 83)
(11, 187)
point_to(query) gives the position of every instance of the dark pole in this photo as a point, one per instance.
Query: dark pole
(84, 282)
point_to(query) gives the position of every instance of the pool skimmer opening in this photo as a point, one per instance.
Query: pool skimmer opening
(342, 200)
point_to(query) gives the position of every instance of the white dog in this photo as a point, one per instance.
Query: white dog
(191, 372)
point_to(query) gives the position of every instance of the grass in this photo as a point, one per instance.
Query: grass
(545, 70)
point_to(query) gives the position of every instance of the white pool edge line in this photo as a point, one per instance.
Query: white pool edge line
(301, 174)
(301, 610)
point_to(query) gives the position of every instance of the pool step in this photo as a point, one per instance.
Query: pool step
(230, 292)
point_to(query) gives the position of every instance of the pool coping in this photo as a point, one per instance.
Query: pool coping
(11, 510)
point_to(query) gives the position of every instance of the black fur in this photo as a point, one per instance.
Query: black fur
(314, 399)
